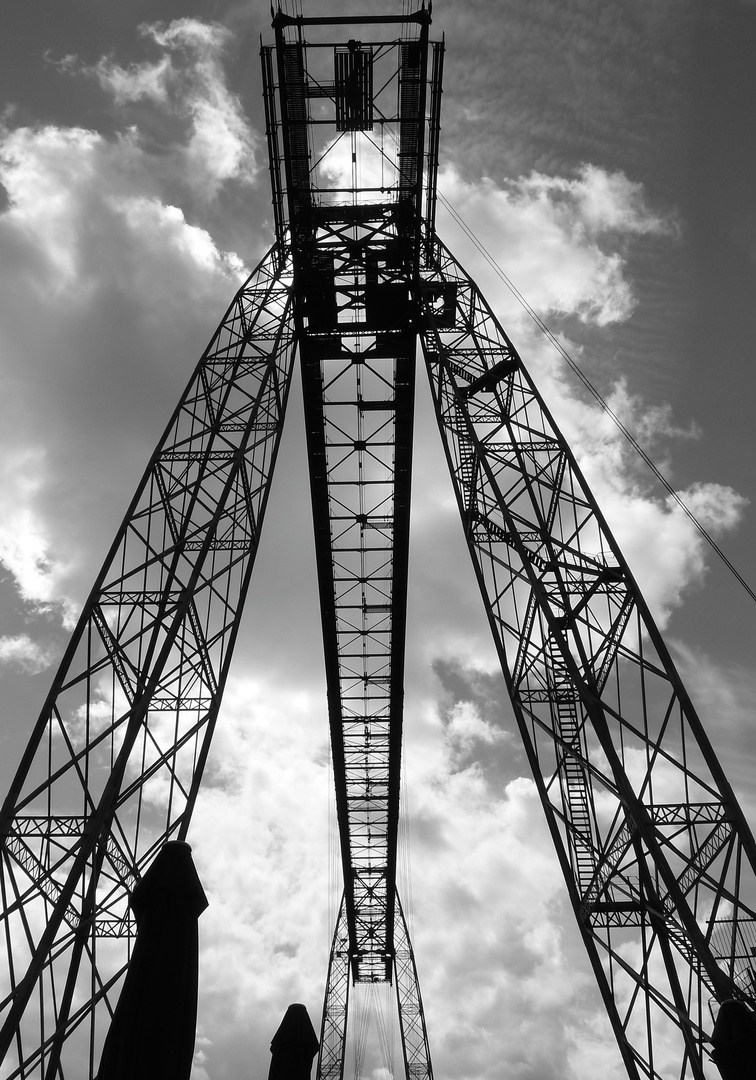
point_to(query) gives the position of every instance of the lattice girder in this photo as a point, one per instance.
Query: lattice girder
(415, 1045)
(414, 1035)
(654, 847)
(114, 763)
(658, 859)
(358, 401)
(333, 1030)
(355, 250)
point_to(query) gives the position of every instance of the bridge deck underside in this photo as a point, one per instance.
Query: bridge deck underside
(358, 371)
(347, 131)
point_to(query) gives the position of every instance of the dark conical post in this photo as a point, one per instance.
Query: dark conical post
(293, 1046)
(153, 1029)
(734, 1039)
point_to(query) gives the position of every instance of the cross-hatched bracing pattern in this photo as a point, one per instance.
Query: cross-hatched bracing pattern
(415, 1046)
(414, 1035)
(359, 396)
(335, 1006)
(658, 859)
(355, 249)
(114, 764)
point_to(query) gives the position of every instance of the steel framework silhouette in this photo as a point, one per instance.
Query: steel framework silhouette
(657, 857)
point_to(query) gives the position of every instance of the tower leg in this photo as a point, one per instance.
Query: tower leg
(415, 1048)
(658, 859)
(333, 1031)
(113, 766)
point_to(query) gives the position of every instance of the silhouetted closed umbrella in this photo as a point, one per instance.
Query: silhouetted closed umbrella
(294, 1046)
(734, 1039)
(152, 1033)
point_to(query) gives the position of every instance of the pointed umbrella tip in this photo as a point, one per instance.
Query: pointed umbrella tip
(170, 879)
(293, 1046)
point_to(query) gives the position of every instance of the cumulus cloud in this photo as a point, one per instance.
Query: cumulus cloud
(558, 240)
(21, 651)
(108, 283)
(27, 550)
(599, 202)
(466, 729)
(261, 841)
(107, 294)
(556, 226)
(492, 934)
(665, 550)
(83, 209)
(187, 84)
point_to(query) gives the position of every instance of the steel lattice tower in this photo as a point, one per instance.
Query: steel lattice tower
(657, 857)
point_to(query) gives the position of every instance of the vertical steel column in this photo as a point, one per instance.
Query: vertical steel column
(114, 763)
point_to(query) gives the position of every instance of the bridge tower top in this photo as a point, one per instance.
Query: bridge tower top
(352, 109)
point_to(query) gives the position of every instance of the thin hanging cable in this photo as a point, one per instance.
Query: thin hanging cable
(392, 1016)
(379, 1003)
(594, 392)
(361, 1025)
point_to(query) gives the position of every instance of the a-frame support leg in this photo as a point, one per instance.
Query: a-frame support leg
(335, 1006)
(415, 1048)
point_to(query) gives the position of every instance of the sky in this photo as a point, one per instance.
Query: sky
(606, 156)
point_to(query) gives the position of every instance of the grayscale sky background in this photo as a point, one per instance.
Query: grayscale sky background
(606, 155)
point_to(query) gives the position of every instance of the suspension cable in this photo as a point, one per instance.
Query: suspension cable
(361, 1026)
(379, 996)
(604, 405)
(595, 394)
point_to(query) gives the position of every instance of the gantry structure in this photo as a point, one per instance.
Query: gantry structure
(657, 857)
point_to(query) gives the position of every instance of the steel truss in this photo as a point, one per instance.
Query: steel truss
(658, 858)
(414, 1034)
(114, 763)
(355, 250)
(356, 255)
